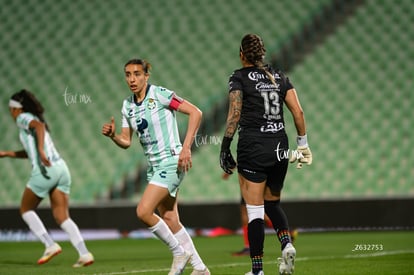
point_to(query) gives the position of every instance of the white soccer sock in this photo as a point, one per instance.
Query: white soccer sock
(161, 230)
(185, 240)
(75, 236)
(255, 212)
(37, 227)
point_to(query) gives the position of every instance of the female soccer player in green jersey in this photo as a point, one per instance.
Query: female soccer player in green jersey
(50, 177)
(150, 113)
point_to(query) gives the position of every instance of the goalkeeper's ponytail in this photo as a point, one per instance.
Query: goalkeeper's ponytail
(254, 51)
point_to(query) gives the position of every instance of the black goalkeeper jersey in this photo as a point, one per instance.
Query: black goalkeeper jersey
(262, 110)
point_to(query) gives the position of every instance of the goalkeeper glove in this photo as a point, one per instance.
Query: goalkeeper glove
(227, 162)
(303, 153)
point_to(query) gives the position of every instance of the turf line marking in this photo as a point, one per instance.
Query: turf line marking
(132, 271)
(380, 253)
(350, 256)
(300, 259)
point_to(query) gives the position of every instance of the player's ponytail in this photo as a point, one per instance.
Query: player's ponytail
(30, 104)
(254, 51)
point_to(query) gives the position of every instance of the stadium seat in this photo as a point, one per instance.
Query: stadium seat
(355, 88)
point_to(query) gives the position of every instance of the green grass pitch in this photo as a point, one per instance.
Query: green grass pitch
(347, 253)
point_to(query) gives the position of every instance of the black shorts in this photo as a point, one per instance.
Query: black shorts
(263, 159)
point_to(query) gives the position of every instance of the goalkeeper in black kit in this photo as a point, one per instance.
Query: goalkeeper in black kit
(257, 94)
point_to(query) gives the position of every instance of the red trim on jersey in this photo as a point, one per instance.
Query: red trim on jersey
(175, 103)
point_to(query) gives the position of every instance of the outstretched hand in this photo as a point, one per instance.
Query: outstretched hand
(108, 129)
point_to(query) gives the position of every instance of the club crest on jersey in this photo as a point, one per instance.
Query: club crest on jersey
(151, 104)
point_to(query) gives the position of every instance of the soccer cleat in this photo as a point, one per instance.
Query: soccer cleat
(287, 262)
(84, 260)
(50, 252)
(178, 264)
(251, 273)
(201, 272)
(244, 252)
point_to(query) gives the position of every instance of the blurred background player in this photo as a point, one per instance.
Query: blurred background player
(50, 177)
(150, 113)
(257, 94)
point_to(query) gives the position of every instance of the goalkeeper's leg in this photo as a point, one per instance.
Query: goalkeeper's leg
(279, 221)
(256, 236)
(252, 189)
(280, 224)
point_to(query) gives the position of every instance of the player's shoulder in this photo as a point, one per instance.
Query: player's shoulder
(26, 116)
(160, 93)
(238, 72)
(237, 75)
(129, 99)
(24, 119)
(159, 89)
(276, 72)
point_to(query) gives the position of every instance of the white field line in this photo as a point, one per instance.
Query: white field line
(298, 259)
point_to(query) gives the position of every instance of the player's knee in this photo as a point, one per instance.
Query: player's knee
(170, 218)
(60, 215)
(24, 210)
(143, 213)
(139, 212)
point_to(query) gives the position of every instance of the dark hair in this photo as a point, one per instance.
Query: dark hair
(254, 51)
(30, 104)
(145, 65)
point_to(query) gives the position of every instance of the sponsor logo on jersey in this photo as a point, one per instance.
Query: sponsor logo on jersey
(256, 76)
(272, 127)
(263, 87)
(142, 124)
(131, 112)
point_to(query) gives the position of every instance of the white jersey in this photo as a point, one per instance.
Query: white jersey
(154, 121)
(28, 139)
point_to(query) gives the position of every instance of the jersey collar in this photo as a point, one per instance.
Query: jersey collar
(146, 93)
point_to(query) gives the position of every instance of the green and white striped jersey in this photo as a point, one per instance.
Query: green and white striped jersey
(28, 139)
(154, 121)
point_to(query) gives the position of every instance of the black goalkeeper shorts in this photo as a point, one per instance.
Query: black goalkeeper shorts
(263, 159)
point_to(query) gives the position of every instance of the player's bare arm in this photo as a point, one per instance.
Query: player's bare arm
(233, 117)
(293, 104)
(40, 130)
(123, 139)
(13, 154)
(194, 120)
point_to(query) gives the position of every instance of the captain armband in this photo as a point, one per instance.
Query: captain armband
(175, 102)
